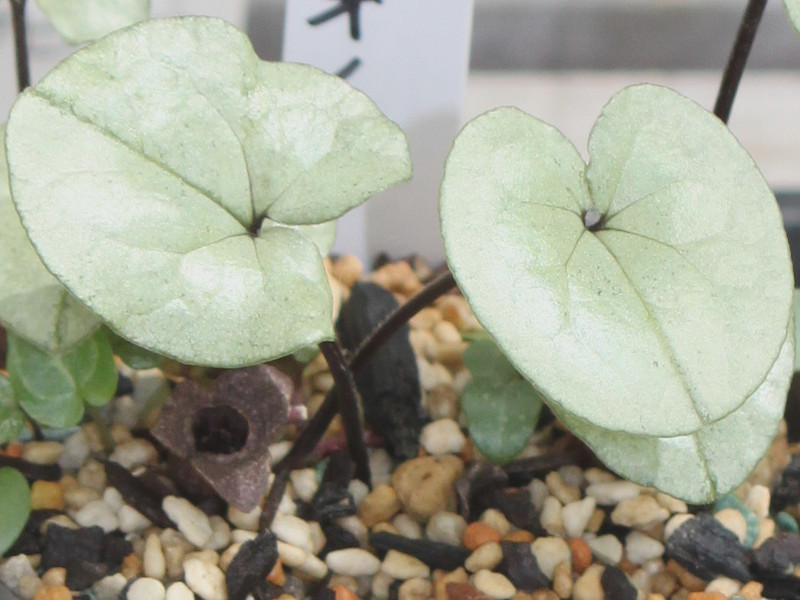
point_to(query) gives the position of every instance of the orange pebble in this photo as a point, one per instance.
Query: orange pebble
(53, 592)
(751, 590)
(706, 596)
(277, 576)
(342, 593)
(14, 450)
(520, 535)
(477, 534)
(581, 554)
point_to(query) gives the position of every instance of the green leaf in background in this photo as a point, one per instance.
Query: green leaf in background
(12, 419)
(132, 355)
(52, 388)
(501, 408)
(661, 319)
(79, 21)
(793, 9)
(705, 464)
(796, 316)
(166, 144)
(33, 304)
(15, 506)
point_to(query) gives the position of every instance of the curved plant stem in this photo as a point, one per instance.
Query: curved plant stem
(21, 43)
(347, 403)
(738, 58)
(318, 424)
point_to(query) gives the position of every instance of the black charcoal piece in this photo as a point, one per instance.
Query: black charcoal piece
(251, 565)
(520, 566)
(389, 383)
(523, 471)
(616, 584)
(82, 574)
(32, 471)
(514, 503)
(436, 555)
(708, 549)
(781, 589)
(787, 492)
(340, 469)
(479, 477)
(63, 544)
(332, 501)
(778, 556)
(115, 549)
(337, 538)
(137, 494)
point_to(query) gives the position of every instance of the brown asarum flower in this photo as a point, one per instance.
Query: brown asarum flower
(225, 434)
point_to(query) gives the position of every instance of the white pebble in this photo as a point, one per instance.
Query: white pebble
(113, 498)
(279, 450)
(673, 524)
(354, 562)
(496, 520)
(758, 499)
(205, 579)
(640, 512)
(639, 548)
(446, 527)
(613, 492)
(733, 520)
(671, 503)
(358, 490)
(135, 452)
(381, 465)
(292, 530)
(442, 436)
(485, 556)
(403, 566)
(179, 591)
(406, 526)
(97, 513)
(724, 585)
(240, 536)
(190, 520)
(494, 585)
(208, 556)
(291, 556)
(220, 533)
(13, 569)
(552, 518)
(355, 526)
(606, 548)
(314, 567)
(576, 515)
(538, 492)
(317, 537)
(76, 451)
(228, 555)
(549, 551)
(304, 483)
(146, 588)
(109, 587)
(42, 453)
(153, 561)
(244, 520)
(416, 588)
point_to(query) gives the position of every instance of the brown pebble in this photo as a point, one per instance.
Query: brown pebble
(55, 576)
(46, 495)
(544, 594)
(655, 596)
(752, 590)
(688, 580)
(562, 579)
(424, 485)
(397, 277)
(53, 592)
(476, 534)
(595, 521)
(581, 554)
(381, 504)
(706, 596)
(518, 595)
(131, 566)
(442, 578)
(627, 566)
(464, 591)
(347, 269)
(520, 535)
(343, 593)
(664, 583)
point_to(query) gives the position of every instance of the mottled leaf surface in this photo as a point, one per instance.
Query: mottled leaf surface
(15, 506)
(143, 165)
(665, 316)
(33, 304)
(12, 419)
(79, 21)
(52, 388)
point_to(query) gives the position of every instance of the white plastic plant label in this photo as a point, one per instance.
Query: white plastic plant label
(411, 57)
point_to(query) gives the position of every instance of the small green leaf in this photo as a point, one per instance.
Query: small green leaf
(707, 463)
(12, 419)
(33, 304)
(15, 506)
(132, 355)
(52, 388)
(166, 144)
(79, 21)
(485, 361)
(501, 416)
(793, 9)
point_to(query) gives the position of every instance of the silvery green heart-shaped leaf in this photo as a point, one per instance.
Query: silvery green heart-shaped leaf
(33, 304)
(793, 9)
(15, 506)
(703, 465)
(796, 316)
(12, 419)
(142, 168)
(79, 21)
(663, 312)
(322, 234)
(52, 388)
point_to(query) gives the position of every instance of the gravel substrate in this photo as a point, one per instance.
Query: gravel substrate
(447, 525)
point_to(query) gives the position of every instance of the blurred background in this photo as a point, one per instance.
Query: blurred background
(561, 60)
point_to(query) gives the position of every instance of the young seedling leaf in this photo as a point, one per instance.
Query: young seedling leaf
(485, 361)
(33, 304)
(79, 21)
(15, 506)
(665, 310)
(52, 388)
(703, 465)
(793, 9)
(143, 165)
(132, 355)
(12, 419)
